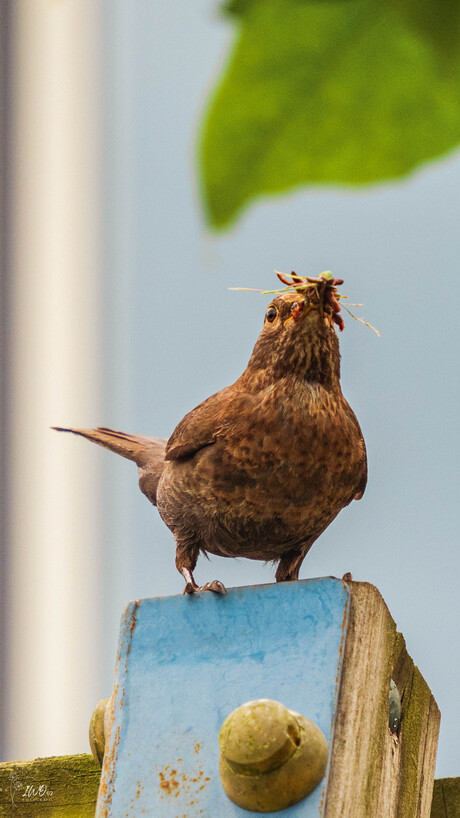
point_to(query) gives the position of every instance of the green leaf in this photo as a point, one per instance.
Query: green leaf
(347, 92)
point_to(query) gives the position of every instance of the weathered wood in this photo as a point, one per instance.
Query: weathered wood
(80, 780)
(446, 798)
(59, 787)
(374, 772)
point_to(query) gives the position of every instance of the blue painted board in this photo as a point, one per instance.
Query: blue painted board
(184, 663)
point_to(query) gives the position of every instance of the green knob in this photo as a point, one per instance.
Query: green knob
(97, 730)
(270, 757)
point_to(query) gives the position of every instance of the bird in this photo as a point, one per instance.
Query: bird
(262, 467)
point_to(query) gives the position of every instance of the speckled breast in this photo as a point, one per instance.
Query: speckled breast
(278, 485)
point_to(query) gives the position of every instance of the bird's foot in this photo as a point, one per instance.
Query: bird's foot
(216, 586)
(190, 588)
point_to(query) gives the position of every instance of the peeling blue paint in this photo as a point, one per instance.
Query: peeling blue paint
(186, 662)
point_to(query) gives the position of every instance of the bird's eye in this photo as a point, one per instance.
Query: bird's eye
(271, 314)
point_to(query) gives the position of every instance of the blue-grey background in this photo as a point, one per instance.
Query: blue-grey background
(170, 334)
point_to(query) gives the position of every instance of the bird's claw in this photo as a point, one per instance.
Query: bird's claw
(216, 586)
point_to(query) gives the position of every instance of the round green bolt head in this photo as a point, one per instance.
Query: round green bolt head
(270, 757)
(97, 730)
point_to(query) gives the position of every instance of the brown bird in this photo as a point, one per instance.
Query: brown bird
(262, 467)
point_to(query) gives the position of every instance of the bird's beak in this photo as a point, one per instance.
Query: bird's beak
(297, 310)
(300, 309)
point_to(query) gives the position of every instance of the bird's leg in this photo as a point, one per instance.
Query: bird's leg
(289, 566)
(190, 584)
(186, 559)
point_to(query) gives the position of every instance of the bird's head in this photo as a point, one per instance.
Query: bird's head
(298, 337)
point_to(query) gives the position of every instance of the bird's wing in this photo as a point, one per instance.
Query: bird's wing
(361, 487)
(203, 425)
(195, 431)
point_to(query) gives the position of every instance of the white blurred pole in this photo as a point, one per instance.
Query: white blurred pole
(55, 580)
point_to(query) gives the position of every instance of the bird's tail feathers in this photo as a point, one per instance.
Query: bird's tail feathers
(133, 447)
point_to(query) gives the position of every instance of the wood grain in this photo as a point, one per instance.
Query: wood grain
(446, 798)
(374, 773)
(58, 787)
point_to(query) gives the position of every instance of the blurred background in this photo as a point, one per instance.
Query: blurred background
(116, 312)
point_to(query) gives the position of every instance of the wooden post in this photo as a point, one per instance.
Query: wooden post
(373, 771)
(78, 776)
(446, 798)
(59, 787)
(283, 642)
(325, 649)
